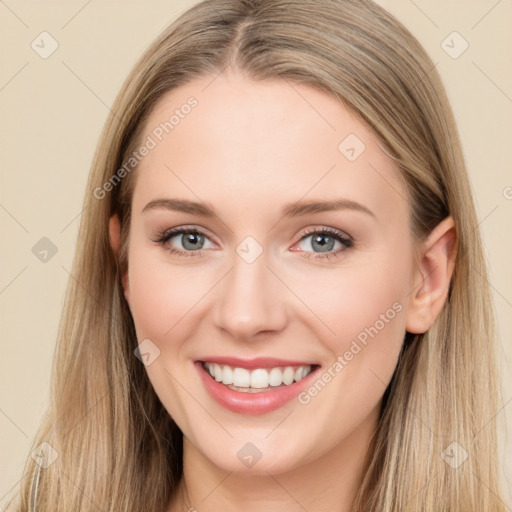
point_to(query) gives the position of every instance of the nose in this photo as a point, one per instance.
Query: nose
(252, 300)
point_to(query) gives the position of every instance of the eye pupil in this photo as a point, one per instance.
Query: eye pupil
(192, 239)
(324, 246)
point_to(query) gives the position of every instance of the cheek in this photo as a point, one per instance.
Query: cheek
(161, 294)
(162, 299)
(350, 299)
(364, 310)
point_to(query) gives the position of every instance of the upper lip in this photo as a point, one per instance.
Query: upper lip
(258, 362)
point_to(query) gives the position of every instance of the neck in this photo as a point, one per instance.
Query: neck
(328, 482)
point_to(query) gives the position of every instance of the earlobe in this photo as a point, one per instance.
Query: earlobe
(115, 242)
(436, 261)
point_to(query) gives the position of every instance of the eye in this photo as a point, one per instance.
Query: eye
(324, 240)
(188, 241)
(191, 240)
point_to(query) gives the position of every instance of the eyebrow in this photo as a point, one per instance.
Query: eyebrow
(291, 210)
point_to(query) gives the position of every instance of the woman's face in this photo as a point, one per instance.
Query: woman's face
(265, 280)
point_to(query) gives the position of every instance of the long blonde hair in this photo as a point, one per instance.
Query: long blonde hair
(118, 449)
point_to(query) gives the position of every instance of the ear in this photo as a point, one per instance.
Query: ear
(115, 241)
(432, 276)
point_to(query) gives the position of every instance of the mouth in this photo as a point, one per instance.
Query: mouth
(258, 380)
(257, 386)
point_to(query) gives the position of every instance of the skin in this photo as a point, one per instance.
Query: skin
(248, 149)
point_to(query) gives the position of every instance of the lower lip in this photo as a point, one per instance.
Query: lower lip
(252, 403)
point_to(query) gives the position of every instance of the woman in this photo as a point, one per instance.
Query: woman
(274, 301)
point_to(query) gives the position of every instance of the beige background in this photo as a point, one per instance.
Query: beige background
(52, 111)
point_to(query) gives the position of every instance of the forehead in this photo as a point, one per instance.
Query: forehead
(230, 138)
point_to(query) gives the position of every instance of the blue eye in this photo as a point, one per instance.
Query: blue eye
(325, 240)
(192, 241)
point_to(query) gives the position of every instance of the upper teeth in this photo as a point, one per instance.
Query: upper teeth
(259, 378)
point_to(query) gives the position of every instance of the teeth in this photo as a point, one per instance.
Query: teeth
(217, 372)
(288, 375)
(227, 375)
(260, 378)
(241, 378)
(275, 377)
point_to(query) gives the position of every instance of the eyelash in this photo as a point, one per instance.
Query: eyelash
(163, 237)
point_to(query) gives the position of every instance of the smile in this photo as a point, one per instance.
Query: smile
(258, 380)
(254, 387)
